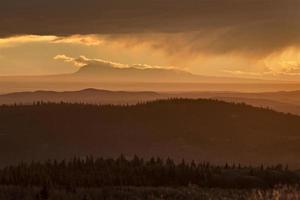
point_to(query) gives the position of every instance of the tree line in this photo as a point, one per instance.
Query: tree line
(92, 172)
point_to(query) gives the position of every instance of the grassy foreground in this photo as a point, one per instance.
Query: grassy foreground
(150, 193)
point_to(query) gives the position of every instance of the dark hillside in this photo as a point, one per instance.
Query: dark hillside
(192, 129)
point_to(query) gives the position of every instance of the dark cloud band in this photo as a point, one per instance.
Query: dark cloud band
(246, 24)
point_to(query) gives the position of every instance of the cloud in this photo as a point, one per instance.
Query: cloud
(295, 72)
(67, 59)
(251, 73)
(83, 61)
(268, 72)
(281, 63)
(276, 69)
(254, 27)
(12, 41)
(88, 40)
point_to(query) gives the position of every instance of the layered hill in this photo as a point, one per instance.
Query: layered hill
(288, 102)
(192, 129)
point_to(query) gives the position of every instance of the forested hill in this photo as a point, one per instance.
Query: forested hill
(207, 130)
(92, 172)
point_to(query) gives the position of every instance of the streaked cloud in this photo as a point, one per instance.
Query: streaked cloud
(12, 41)
(67, 59)
(265, 74)
(88, 40)
(83, 61)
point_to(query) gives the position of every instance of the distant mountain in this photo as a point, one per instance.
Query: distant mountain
(100, 72)
(91, 96)
(192, 129)
(288, 102)
(138, 78)
(132, 74)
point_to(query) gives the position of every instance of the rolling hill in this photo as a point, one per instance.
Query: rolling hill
(208, 130)
(288, 102)
(282, 101)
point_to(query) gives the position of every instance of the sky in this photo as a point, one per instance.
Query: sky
(239, 38)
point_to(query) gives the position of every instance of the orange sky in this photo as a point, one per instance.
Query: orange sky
(35, 55)
(240, 38)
